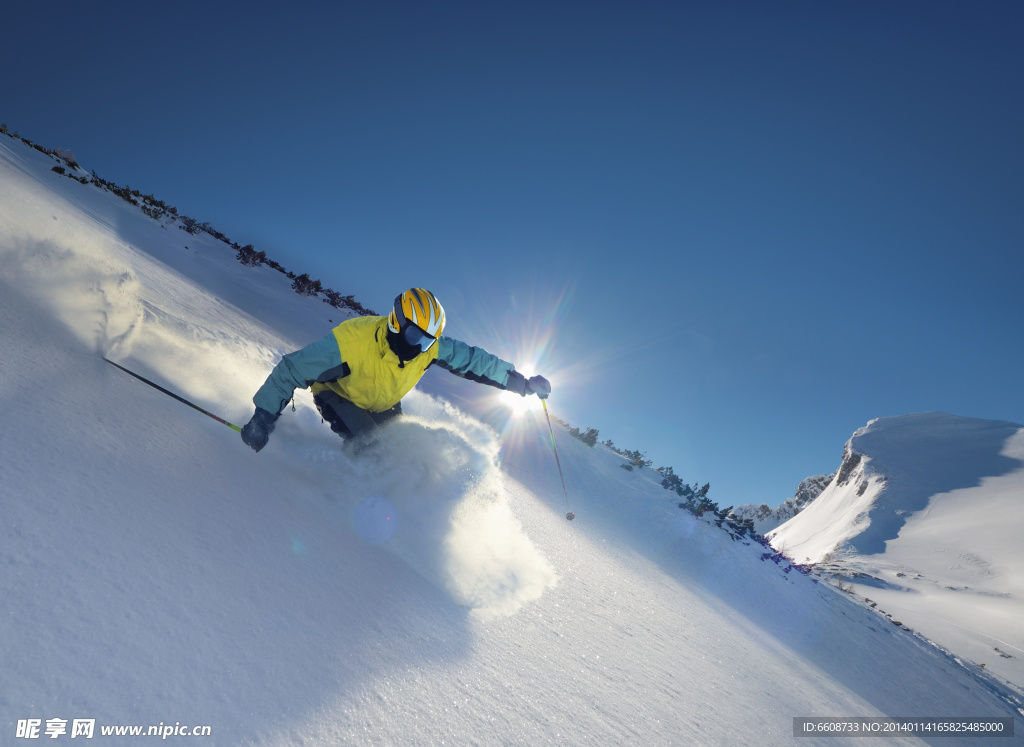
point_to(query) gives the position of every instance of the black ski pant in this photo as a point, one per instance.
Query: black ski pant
(347, 419)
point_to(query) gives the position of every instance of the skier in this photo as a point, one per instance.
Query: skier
(361, 370)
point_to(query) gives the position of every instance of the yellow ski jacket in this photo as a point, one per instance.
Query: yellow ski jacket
(355, 361)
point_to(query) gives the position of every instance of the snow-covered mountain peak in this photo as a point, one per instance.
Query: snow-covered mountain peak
(891, 469)
(925, 510)
(935, 450)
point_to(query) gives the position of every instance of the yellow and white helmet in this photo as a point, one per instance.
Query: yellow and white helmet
(420, 309)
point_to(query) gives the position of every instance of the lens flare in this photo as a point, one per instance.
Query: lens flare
(516, 404)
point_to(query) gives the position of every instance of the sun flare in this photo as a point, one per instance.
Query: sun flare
(516, 404)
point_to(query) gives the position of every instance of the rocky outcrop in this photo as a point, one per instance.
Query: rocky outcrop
(766, 518)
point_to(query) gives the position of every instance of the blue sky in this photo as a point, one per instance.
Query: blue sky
(730, 233)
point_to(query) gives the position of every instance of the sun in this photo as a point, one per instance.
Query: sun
(516, 404)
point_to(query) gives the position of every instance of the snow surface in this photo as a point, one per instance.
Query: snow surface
(926, 524)
(421, 588)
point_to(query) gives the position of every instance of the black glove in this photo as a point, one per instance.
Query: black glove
(538, 385)
(257, 431)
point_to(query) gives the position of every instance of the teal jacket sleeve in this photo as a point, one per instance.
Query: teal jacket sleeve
(473, 363)
(318, 361)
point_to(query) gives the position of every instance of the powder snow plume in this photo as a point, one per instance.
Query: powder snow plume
(427, 487)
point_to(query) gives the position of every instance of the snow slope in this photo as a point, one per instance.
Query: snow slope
(420, 588)
(924, 518)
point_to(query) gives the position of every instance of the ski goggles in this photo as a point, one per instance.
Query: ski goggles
(417, 337)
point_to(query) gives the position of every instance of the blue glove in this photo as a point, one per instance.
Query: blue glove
(522, 386)
(538, 385)
(257, 431)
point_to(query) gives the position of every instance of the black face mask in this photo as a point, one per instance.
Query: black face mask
(401, 348)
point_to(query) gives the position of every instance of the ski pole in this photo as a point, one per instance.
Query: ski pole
(232, 426)
(570, 516)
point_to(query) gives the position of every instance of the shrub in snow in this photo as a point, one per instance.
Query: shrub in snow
(67, 156)
(306, 287)
(189, 225)
(589, 436)
(249, 257)
(636, 457)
